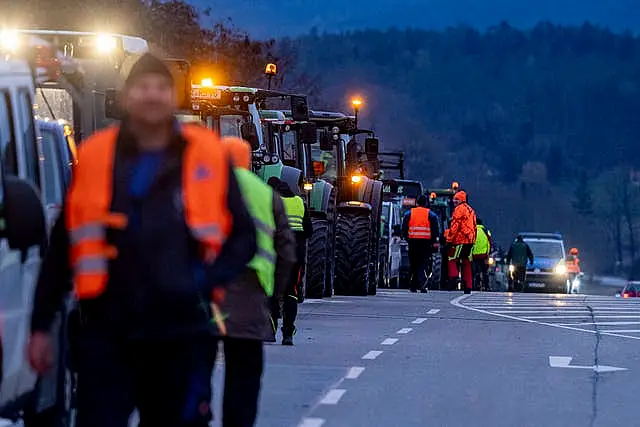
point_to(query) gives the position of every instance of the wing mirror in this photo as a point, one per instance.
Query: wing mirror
(326, 141)
(249, 133)
(24, 218)
(372, 148)
(299, 109)
(307, 134)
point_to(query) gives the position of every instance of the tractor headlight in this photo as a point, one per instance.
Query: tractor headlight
(9, 40)
(356, 179)
(308, 186)
(560, 269)
(105, 43)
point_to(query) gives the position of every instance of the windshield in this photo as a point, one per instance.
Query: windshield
(546, 249)
(230, 125)
(325, 163)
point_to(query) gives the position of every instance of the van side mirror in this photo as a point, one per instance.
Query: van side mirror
(307, 134)
(249, 133)
(299, 109)
(326, 142)
(112, 107)
(25, 224)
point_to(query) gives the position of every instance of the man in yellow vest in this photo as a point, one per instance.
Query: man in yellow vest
(481, 251)
(247, 298)
(300, 223)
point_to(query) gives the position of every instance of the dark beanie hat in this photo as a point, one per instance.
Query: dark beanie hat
(148, 64)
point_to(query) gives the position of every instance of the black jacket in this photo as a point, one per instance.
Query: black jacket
(157, 285)
(285, 191)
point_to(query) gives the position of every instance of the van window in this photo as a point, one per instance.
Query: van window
(8, 153)
(53, 189)
(28, 130)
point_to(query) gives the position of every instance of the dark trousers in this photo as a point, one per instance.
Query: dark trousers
(480, 274)
(290, 299)
(519, 277)
(420, 252)
(244, 362)
(168, 381)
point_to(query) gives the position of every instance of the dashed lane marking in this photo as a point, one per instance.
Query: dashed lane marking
(372, 355)
(333, 396)
(433, 311)
(404, 331)
(311, 422)
(419, 320)
(389, 341)
(354, 372)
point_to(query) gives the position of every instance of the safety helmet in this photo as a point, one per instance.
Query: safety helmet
(574, 251)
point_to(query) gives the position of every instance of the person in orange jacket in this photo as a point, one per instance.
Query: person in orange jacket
(153, 230)
(461, 236)
(573, 264)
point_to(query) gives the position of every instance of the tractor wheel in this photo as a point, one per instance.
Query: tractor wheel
(352, 253)
(317, 258)
(436, 271)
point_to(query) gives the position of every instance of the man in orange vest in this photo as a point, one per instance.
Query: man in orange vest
(153, 229)
(461, 237)
(421, 229)
(573, 264)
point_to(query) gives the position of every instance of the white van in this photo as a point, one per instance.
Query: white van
(23, 233)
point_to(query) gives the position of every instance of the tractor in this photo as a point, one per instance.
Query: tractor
(354, 228)
(295, 140)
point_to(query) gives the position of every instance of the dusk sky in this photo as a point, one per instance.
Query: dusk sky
(273, 18)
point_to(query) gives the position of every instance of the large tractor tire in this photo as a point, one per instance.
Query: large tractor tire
(352, 253)
(435, 282)
(317, 258)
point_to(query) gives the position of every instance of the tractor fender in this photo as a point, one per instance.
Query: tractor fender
(291, 176)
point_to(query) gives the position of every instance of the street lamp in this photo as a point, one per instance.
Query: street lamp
(356, 103)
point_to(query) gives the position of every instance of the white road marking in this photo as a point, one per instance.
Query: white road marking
(333, 397)
(373, 354)
(433, 311)
(354, 372)
(601, 323)
(419, 320)
(311, 422)
(579, 317)
(404, 331)
(564, 362)
(389, 341)
(623, 331)
(458, 302)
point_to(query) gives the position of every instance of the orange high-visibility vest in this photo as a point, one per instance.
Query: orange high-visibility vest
(205, 175)
(419, 224)
(573, 264)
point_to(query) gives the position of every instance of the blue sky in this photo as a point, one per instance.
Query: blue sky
(274, 18)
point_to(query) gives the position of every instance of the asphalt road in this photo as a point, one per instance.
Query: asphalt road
(442, 359)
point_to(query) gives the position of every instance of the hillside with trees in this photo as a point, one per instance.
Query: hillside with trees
(540, 126)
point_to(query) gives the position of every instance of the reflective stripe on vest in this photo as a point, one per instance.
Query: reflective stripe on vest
(295, 212)
(419, 224)
(259, 199)
(88, 204)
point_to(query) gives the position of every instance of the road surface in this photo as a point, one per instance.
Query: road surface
(443, 359)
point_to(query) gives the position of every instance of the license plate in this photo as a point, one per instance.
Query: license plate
(536, 285)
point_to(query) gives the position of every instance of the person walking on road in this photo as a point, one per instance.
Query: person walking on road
(421, 229)
(481, 251)
(153, 230)
(461, 237)
(300, 223)
(518, 254)
(247, 298)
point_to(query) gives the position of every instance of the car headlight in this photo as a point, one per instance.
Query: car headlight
(512, 268)
(106, 43)
(560, 269)
(491, 261)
